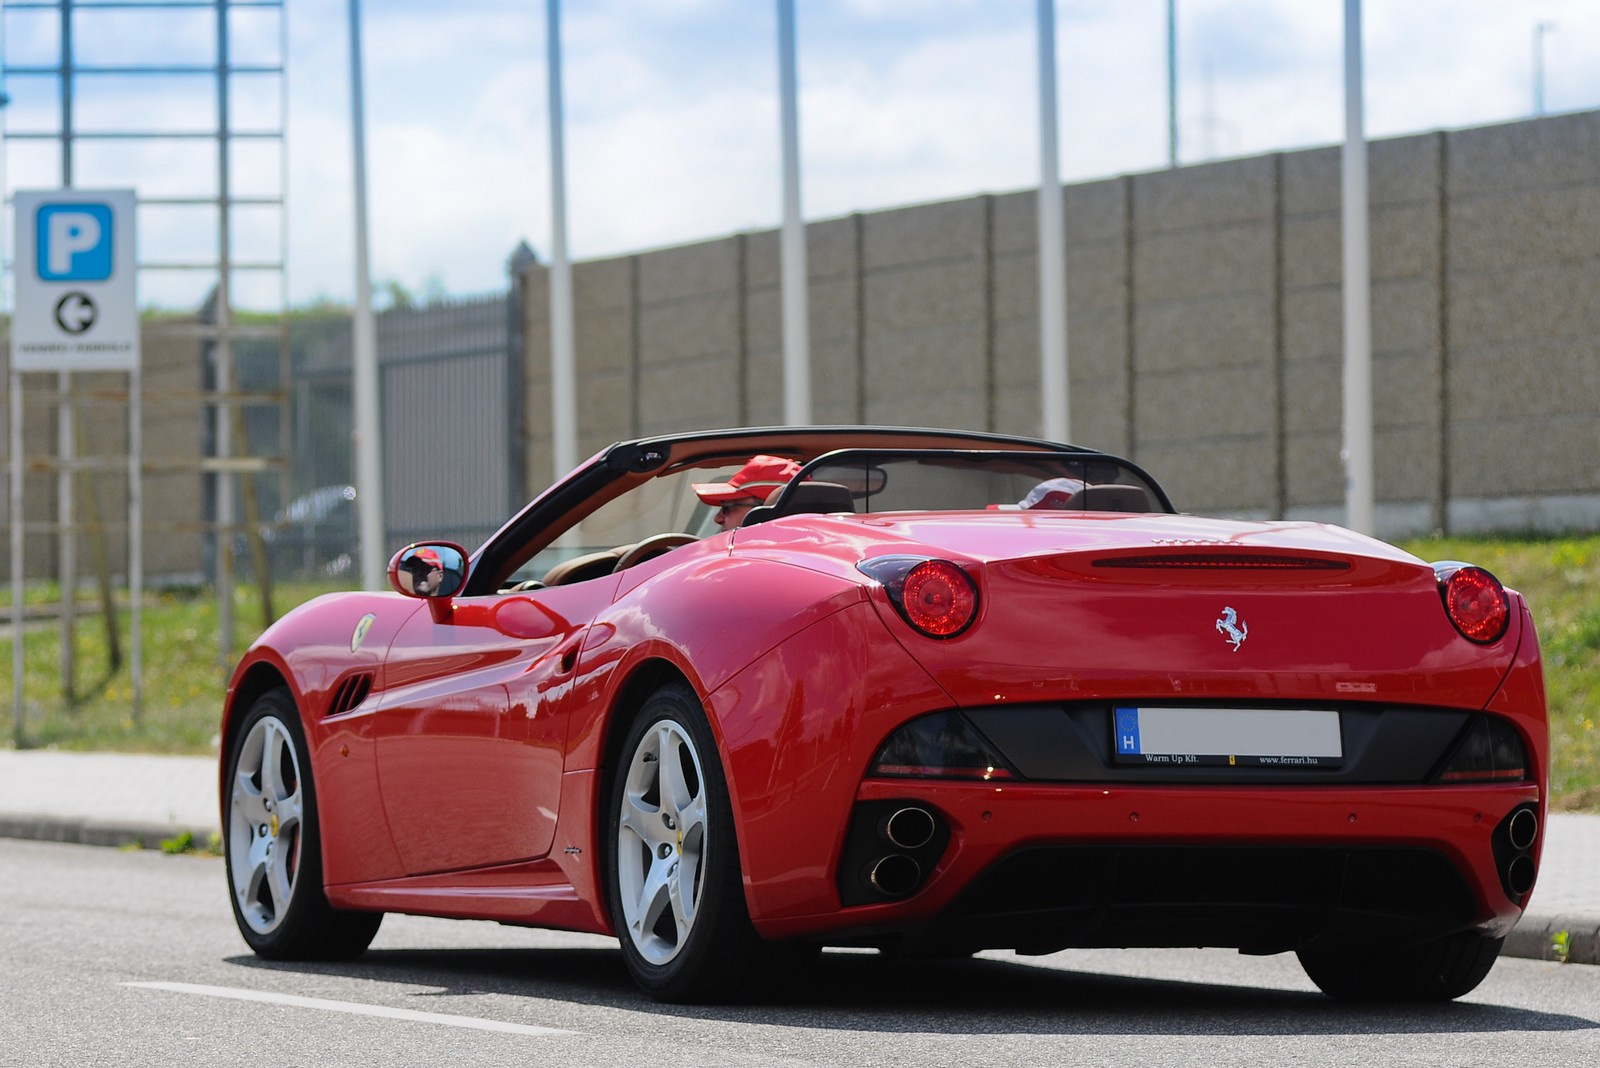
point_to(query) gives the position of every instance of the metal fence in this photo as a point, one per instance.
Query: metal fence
(452, 406)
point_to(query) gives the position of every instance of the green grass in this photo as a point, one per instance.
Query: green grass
(185, 673)
(185, 676)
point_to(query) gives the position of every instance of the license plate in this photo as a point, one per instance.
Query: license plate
(1229, 737)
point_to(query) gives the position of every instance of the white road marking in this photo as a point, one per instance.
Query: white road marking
(352, 1007)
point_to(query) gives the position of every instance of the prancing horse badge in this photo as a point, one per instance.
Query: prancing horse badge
(1231, 627)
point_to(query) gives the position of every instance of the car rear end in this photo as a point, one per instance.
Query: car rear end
(1165, 731)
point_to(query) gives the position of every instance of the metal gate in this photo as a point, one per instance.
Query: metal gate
(452, 420)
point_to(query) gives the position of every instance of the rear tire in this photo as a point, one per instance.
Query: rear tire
(1440, 970)
(674, 884)
(273, 844)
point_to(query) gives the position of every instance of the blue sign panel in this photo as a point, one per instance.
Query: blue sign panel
(74, 242)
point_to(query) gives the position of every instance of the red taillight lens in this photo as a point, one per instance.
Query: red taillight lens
(1475, 602)
(936, 597)
(939, 598)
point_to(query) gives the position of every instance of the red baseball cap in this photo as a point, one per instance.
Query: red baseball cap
(761, 477)
(429, 556)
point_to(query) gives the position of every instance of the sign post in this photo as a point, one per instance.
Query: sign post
(76, 310)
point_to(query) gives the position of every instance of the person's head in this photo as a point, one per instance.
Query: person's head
(753, 484)
(427, 571)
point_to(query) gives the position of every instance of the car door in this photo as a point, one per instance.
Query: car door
(472, 729)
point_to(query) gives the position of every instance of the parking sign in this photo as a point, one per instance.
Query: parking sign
(77, 307)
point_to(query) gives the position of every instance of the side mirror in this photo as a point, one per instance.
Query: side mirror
(429, 569)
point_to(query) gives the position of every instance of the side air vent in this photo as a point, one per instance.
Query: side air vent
(350, 693)
(1225, 562)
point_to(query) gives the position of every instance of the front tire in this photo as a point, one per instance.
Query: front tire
(1440, 970)
(273, 845)
(673, 879)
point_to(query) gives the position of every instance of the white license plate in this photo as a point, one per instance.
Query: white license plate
(1243, 737)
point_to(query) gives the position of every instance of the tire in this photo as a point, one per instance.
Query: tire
(273, 846)
(1440, 970)
(673, 880)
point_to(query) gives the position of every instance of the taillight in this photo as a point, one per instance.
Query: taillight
(1474, 600)
(941, 746)
(1490, 750)
(936, 597)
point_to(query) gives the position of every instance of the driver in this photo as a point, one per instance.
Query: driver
(753, 484)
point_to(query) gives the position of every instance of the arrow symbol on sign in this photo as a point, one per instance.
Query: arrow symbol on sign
(75, 312)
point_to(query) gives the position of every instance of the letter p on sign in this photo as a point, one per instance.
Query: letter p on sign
(75, 242)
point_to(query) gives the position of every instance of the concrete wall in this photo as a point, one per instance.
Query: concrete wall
(1205, 328)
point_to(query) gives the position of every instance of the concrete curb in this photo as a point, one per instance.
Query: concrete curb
(93, 832)
(1534, 937)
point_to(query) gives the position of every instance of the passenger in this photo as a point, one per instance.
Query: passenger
(752, 485)
(1052, 494)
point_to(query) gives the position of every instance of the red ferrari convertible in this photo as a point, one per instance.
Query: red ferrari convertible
(935, 692)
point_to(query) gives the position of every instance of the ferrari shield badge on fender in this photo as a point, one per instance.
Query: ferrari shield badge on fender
(360, 635)
(1231, 627)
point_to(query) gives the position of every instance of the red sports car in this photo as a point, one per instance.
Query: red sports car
(935, 692)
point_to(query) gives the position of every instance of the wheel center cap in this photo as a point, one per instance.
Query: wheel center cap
(272, 825)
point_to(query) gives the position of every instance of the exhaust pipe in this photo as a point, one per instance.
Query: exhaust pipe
(1523, 829)
(894, 875)
(1519, 875)
(908, 828)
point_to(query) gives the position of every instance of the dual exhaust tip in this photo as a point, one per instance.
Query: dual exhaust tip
(908, 829)
(1522, 831)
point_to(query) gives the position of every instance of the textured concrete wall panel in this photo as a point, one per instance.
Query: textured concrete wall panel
(1313, 324)
(1200, 406)
(1219, 260)
(923, 234)
(1313, 251)
(689, 270)
(1535, 226)
(1547, 300)
(1211, 194)
(1224, 331)
(1493, 160)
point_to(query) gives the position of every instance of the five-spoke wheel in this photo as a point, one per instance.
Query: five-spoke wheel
(661, 841)
(673, 879)
(273, 846)
(265, 813)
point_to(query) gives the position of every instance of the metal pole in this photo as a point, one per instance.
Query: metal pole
(136, 537)
(18, 719)
(66, 417)
(1358, 451)
(1539, 30)
(222, 354)
(1172, 83)
(368, 440)
(796, 325)
(1052, 244)
(563, 349)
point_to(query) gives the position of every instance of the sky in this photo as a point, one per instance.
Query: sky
(672, 113)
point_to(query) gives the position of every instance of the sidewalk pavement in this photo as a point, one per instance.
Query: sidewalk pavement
(116, 799)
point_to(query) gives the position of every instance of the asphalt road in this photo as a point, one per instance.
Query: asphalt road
(114, 958)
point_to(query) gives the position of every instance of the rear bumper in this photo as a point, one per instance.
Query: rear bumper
(1043, 867)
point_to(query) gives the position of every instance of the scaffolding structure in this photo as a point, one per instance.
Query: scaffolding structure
(184, 101)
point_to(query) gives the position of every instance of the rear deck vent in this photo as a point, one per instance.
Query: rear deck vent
(350, 693)
(1225, 561)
